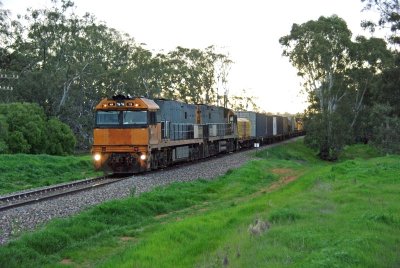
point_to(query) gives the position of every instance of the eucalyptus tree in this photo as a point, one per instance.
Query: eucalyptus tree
(371, 58)
(191, 75)
(389, 11)
(336, 73)
(68, 62)
(6, 37)
(385, 108)
(243, 102)
(145, 73)
(222, 67)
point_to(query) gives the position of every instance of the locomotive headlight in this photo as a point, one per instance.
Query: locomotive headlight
(97, 157)
(143, 156)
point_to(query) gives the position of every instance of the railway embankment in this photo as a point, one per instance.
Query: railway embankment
(282, 207)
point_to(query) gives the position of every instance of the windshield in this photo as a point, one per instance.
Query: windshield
(121, 118)
(134, 117)
(107, 118)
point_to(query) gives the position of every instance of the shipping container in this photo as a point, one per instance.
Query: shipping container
(251, 116)
(274, 126)
(285, 125)
(261, 125)
(258, 123)
(270, 125)
(279, 125)
(244, 128)
(292, 124)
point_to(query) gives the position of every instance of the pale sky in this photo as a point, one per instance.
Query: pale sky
(248, 31)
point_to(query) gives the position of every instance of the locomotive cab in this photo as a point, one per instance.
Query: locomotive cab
(124, 129)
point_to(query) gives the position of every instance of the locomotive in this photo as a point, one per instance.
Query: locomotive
(136, 134)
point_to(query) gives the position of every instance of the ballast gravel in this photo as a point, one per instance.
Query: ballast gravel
(15, 221)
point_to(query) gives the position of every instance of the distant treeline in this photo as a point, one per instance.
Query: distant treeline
(66, 63)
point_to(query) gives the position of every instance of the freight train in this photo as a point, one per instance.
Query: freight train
(133, 135)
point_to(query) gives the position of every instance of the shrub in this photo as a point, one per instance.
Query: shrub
(3, 134)
(24, 128)
(60, 139)
(17, 143)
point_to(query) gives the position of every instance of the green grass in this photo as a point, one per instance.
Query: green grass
(319, 215)
(23, 171)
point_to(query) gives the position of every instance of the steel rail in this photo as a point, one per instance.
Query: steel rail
(37, 195)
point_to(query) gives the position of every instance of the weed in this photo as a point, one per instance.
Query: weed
(335, 215)
(283, 215)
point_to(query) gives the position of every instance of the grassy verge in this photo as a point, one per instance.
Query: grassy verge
(286, 208)
(22, 171)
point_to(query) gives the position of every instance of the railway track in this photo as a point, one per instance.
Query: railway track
(37, 195)
(19, 199)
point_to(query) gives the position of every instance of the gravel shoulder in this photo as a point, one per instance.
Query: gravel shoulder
(15, 221)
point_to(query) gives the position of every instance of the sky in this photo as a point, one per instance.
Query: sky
(248, 31)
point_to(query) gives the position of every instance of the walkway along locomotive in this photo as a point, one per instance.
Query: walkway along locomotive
(132, 135)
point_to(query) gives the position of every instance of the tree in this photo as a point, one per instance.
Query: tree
(385, 99)
(319, 50)
(243, 102)
(336, 73)
(190, 75)
(66, 63)
(389, 16)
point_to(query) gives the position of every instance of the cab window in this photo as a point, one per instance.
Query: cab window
(107, 118)
(134, 117)
(121, 119)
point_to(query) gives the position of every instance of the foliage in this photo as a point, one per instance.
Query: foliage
(66, 63)
(330, 216)
(389, 15)
(385, 128)
(243, 102)
(384, 106)
(25, 129)
(3, 134)
(337, 75)
(60, 139)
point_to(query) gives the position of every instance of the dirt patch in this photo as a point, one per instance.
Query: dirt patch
(126, 238)
(161, 216)
(196, 208)
(282, 181)
(275, 185)
(280, 171)
(66, 261)
(290, 176)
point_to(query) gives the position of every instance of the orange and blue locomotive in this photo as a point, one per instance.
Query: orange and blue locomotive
(138, 134)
